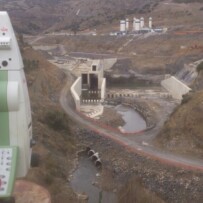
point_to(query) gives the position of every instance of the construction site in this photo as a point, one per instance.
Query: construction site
(116, 117)
(113, 88)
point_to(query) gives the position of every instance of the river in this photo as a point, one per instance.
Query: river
(82, 182)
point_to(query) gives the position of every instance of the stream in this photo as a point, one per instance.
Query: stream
(82, 182)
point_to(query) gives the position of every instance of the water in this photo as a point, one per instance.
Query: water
(134, 122)
(82, 181)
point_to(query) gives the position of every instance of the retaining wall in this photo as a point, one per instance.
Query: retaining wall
(76, 92)
(108, 63)
(175, 87)
(103, 89)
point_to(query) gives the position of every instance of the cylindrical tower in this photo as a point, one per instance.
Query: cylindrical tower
(127, 24)
(122, 26)
(141, 22)
(137, 25)
(134, 20)
(150, 22)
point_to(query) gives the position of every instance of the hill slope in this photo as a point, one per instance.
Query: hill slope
(55, 142)
(183, 132)
(33, 16)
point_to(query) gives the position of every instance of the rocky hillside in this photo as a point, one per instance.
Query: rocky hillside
(36, 16)
(55, 143)
(188, 1)
(183, 132)
(33, 16)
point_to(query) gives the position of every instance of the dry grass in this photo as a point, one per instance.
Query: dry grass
(183, 132)
(55, 143)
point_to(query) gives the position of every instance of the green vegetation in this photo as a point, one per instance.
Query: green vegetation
(30, 64)
(57, 120)
(200, 67)
(75, 27)
(186, 98)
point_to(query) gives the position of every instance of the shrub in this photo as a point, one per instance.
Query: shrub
(200, 67)
(57, 120)
(186, 98)
(35, 160)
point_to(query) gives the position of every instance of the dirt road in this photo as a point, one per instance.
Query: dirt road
(130, 143)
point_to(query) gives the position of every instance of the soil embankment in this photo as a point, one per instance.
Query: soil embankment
(55, 141)
(182, 133)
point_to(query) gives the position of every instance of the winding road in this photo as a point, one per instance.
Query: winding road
(130, 143)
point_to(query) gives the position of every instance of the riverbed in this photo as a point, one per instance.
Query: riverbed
(84, 181)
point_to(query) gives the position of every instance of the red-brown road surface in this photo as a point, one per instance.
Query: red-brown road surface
(29, 192)
(130, 143)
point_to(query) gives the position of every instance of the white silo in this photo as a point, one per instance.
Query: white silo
(134, 20)
(122, 26)
(141, 22)
(137, 25)
(127, 24)
(150, 22)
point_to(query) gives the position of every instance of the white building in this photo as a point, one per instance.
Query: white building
(141, 22)
(122, 26)
(127, 24)
(150, 22)
(137, 24)
(90, 86)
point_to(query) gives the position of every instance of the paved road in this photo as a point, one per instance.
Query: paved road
(132, 145)
(93, 55)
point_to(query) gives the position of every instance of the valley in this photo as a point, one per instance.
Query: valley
(160, 162)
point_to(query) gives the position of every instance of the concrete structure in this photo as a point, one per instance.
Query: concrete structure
(141, 22)
(134, 19)
(92, 79)
(127, 24)
(91, 110)
(76, 92)
(150, 22)
(145, 30)
(90, 87)
(175, 87)
(122, 26)
(15, 113)
(108, 63)
(126, 93)
(137, 25)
